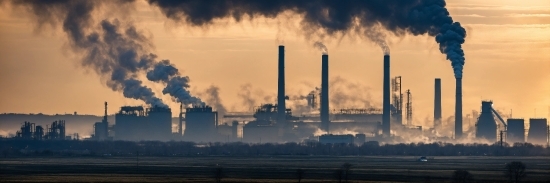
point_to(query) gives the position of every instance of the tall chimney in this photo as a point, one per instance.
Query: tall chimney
(324, 94)
(386, 98)
(180, 126)
(437, 104)
(105, 115)
(281, 106)
(458, 109)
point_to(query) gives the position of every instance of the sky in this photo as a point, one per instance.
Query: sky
(507, 61)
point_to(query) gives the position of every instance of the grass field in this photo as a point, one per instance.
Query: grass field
(261, 169)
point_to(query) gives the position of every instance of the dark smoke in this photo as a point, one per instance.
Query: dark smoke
(116, 51)
(176, 86)
(416, 17)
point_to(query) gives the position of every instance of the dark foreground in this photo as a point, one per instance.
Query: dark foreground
(262, 169)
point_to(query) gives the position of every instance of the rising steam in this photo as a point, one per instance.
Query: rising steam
(334, 18)
(114, 49)
(321, 47)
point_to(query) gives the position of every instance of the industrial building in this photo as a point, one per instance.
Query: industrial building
(486, 126)
(200, 124)
(135, 123)
(56, 131)
(538, 131)
(101, 129)
(516, 130)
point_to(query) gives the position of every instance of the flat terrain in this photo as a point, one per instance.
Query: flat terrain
(261, 168)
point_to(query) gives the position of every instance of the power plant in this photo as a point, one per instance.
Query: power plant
(275, 123)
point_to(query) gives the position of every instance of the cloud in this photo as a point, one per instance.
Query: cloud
(470, 15)
(528, 15)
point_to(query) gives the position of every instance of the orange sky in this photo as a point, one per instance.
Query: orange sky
(507, 61)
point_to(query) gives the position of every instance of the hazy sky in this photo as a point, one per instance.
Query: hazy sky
(507, 61)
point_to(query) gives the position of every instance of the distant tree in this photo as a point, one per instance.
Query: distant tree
(218, 174)
(515, 171)
(346, 170)
(300, 174)
(338, 174)
(462, 176)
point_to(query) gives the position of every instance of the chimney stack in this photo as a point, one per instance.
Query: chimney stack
(437, 104)
(458, 109)
(324, 94)
(386, 98)
(180, 126)
(105, 116)
(281, 106)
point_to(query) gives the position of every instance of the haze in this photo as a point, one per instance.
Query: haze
(507, 52)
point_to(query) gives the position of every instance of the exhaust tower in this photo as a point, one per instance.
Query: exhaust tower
(324, 94)
(386, 98)
(437, 104)
(281, 107)
(458, 109)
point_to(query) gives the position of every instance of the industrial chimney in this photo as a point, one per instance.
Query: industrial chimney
(458, 109)
(281, 106)
(386, 98)
(437, 104)
(324, 94)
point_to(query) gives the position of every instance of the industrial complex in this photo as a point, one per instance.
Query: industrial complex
(275, 123)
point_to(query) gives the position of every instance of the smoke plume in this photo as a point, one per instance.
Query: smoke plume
(113, 49)
(321, 47)
(213, 99)
(333, 18)
(176, 86)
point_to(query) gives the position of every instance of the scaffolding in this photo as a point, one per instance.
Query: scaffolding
(409, 109)
(397, 100)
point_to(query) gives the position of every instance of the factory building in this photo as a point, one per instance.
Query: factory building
(135, 123)
(538, 131)
(56, 131)
(486, 126)
(101, 129)
(200, 124)
(516, 130)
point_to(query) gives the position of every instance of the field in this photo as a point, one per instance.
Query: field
(261, 168)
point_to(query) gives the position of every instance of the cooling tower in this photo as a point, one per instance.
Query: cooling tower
(437, 104)
(324, 93)
(281, 106)
(458, 109)
(386, 98)
(515, 131)
(538, 129)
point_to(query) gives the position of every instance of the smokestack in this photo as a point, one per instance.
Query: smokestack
(324, 94)
(281, 106)
(105, 116)
(437, 104)
(386, 98)
(458, 109)
(180, 125)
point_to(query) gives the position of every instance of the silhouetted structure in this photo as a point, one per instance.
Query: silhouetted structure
(101, 129)
(200, 124)
(538, 129)
(516, 130)
(26, 132)
(324, 94)
(486, 126)
(56, 131)
(281, 96)
(134, 123)
(397, 101)
(437, 104)
(458, 109)
(386, 98)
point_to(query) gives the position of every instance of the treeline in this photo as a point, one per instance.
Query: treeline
(14, 147)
